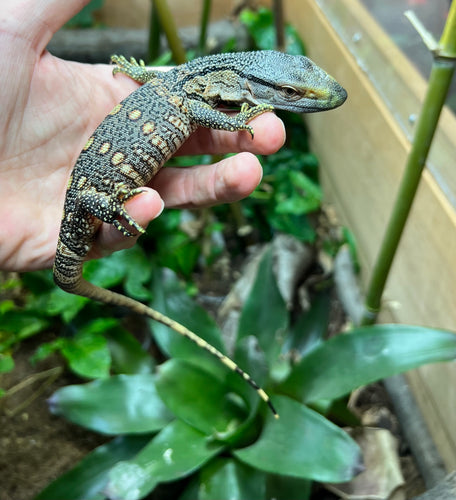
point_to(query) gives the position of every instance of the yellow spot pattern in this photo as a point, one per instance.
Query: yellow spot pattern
(135, 114)
(117, 158)
(178, 123)
(160, 143)
(175, 100)
(115, 109)
(88, 144)
(148, 128)
(104, 148)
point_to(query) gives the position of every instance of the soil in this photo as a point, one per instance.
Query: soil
(36, 446)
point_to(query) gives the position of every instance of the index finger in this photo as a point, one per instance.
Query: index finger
(269, 136)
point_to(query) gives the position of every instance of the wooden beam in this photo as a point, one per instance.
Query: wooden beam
(362, 148)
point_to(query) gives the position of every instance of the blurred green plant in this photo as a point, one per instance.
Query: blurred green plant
(191, 418)
(85, 17)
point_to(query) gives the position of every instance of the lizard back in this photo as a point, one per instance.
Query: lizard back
(139, 135)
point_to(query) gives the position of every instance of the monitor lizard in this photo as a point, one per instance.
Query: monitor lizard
(142, 132)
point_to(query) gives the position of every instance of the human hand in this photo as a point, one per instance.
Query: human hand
(49, 109)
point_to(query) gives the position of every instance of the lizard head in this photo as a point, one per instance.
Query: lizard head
(292, 83)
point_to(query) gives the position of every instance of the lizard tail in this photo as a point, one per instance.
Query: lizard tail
(82, 287)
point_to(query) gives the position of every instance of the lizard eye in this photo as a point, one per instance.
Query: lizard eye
(290, 92)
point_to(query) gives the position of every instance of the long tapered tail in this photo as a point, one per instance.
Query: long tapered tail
(86, 289)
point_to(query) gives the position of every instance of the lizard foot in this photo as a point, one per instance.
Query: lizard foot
(110, 207)
(123, 194)
(206, 116)
(137, 71)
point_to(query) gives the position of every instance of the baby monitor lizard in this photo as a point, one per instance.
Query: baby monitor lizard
(143, 131)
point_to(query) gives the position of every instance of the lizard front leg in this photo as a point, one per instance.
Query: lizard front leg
(136, 71)
(110, 207)
(206, 116)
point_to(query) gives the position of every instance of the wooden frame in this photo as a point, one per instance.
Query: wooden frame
(362, 148)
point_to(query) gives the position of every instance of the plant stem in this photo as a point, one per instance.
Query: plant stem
(439, 82)
(279, 25)
(203, 26)
(154, 35)
(169, 27)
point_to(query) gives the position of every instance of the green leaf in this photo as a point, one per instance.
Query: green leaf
(139, 272)
(251, 359)
(21, 323)
(178, 252)
(365, 355)
(310, 328)
(177, 451)
(298, 226)
(6, 363)
(87, 354)
(110, 270)
(197, 397)
(226, 478)
(302, 443)
(287, 488)
(119, 404)
(261, 27)
(46, 349)
(87, 480)
(304, 198)
(171, 299)
(265, 314)
(62, 303)
(84, 18)
(128, 356)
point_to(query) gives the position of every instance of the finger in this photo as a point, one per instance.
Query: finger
(227, 181)
(269, 136)
(142, 208)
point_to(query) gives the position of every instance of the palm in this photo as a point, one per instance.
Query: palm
(50, 107)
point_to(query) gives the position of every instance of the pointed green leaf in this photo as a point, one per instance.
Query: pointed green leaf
(177, 451)
(88, 478)
(119, 404)
(128, 356)
(110, 270)
(172, 300)
(251, 359)
(310, 328)
(264, 314)
(87, 354)
(287, 488)
(302, 443)
(197, 397)
(139, 273)
(225, 478)
(365, 355)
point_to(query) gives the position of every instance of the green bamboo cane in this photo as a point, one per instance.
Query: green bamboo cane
(154, 35)
(169, 27)
(205, 14)
(439, 81)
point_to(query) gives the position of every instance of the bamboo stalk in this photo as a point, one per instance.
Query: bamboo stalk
(154, 35)
(170, 30)
(205, 14)
(439, 82)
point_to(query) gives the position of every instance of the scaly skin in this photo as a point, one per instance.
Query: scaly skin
(142, 132)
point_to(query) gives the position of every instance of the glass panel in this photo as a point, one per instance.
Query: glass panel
(432, 13)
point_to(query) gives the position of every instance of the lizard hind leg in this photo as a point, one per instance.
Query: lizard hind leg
(110, 208)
